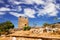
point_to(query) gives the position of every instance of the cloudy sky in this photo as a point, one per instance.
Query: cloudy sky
(38, 11)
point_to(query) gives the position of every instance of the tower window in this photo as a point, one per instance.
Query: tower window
(20, 16)
(25, 24)
(25, 17)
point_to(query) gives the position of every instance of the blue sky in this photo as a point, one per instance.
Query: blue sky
(38, 11)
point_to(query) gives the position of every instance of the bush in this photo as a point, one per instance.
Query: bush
(27, 28)
(5, 26)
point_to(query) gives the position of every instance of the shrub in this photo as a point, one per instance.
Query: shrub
(5, 26)
(27, 28)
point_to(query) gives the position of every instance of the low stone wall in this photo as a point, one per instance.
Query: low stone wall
(21, 38)
(24, 38)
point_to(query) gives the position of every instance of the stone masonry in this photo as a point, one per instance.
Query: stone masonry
(22, 21)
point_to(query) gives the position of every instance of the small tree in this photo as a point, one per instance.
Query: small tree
(5, 26)
(24, 28)
(27, 28)
(46, 24)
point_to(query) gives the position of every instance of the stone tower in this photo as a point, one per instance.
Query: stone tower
(22, 22)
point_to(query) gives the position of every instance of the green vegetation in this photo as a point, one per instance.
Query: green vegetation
(49, 25)
(27, 28)
(5, 26)
(46, 24)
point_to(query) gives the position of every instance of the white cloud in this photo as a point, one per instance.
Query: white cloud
(2, 13)
(4, 9)
(49, 9)
(29, 12)
(16, 14)
(39, 1)
(1, 1)
(15, 2)
(27, 2)
(19, 8)
(58, 6)
(53, 14)
(34, 1)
